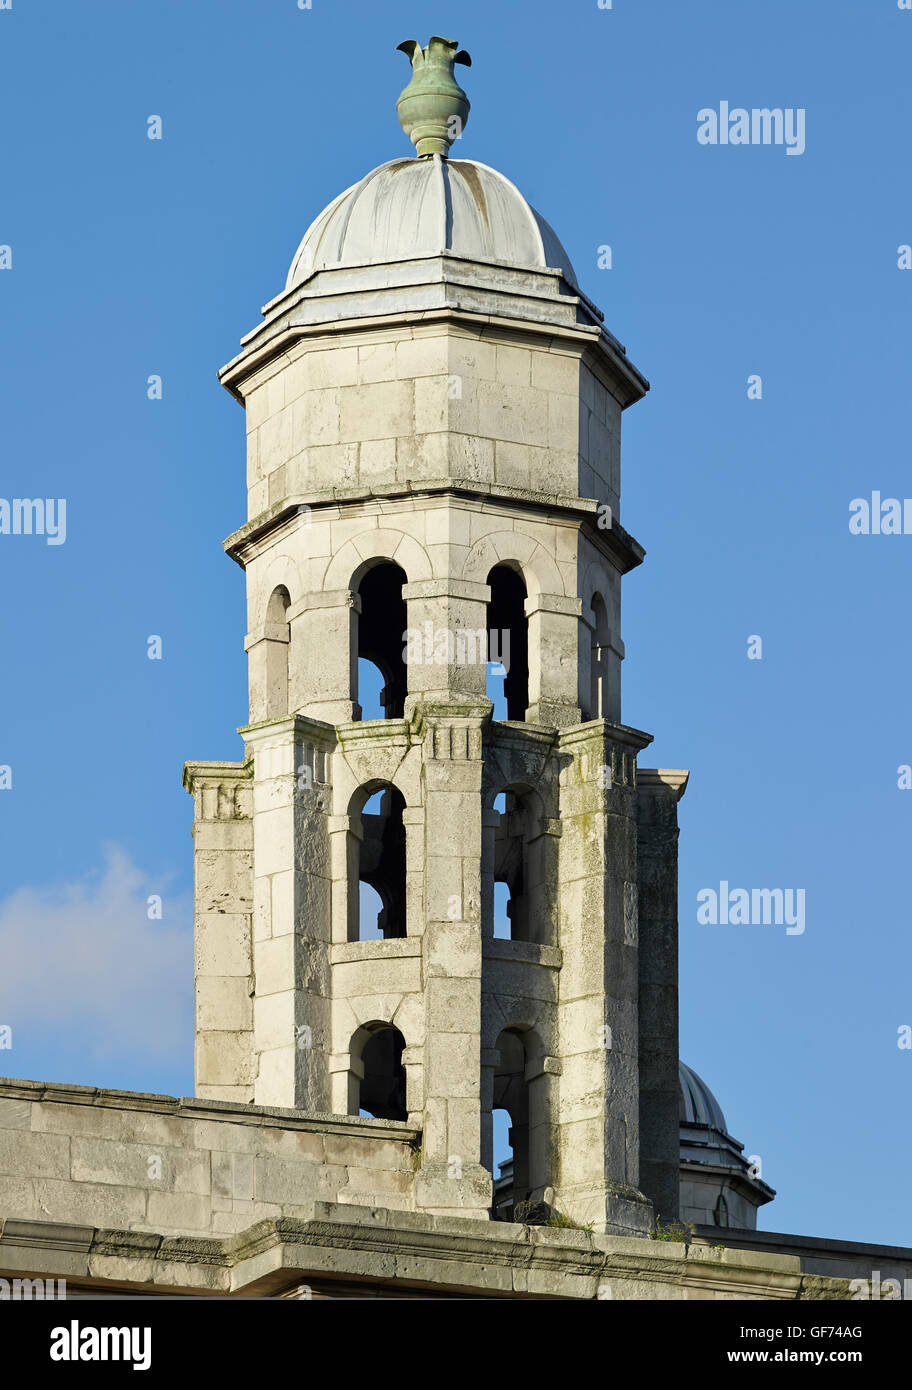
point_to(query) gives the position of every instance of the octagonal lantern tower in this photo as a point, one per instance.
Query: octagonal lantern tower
(433, 415)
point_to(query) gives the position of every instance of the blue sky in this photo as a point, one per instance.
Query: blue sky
(133, 257)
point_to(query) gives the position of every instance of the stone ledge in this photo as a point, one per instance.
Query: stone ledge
(393, 949)
(191, 1107)
(404, 1250)
(527, 952)
(623, 549)
(838, 1259)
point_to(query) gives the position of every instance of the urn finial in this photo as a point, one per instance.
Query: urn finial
(433, 108)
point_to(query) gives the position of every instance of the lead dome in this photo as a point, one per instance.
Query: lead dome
(411, 208)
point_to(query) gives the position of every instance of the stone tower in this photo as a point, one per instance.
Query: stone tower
(433, 419)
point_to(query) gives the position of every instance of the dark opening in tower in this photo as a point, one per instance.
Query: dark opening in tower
(381, 869)
(522, 855)
(511, 1094)
(277, 646)
(508, 640)
(599, 659)
(382, 1088)
(381, 641)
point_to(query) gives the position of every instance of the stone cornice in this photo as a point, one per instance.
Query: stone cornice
(754, 1189)
(621, 734)
(673, 780)
(212, 774)
(274, 338)
(513, 733)
(243, 545)
(300, 725)
(335, 1245)
(193, 1108)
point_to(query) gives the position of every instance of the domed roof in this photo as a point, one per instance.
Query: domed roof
(410, 208)
(698, 1104)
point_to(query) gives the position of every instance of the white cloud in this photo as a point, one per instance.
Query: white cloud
(84, 962)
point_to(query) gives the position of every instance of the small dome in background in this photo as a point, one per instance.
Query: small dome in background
(410, 208)
(719, 1185)
(698, 1104)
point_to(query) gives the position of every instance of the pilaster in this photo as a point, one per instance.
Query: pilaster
(451, 1175)
(658, 794)
(223, 945)
(598, 1127)
(292, 919)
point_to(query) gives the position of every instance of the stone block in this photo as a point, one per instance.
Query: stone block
(24, 1153)
(331, 367)
(377, 362)
(469, 356)
(515, 413)
(276, 441)
(453, 1005)
(91, 1204)
(379, 1183)
(377, 460)
(222, 944)
(563, 422)
(431, 404)
(232, 1177)
(15, 1114)
(223, 1002)
(17, 1198)
(274, 1019)
(132, 1165)
(315, 421)
(451, 1064)
(378, 411)
(281, 1181)
(514, 365)
(422, 356)
(303, 1145)
(275, 965)
(224, 1059)
(556, 371)
(276, 1076)
(356, 1152)
(180, 1212)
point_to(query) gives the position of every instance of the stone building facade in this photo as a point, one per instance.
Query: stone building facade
(433, 458)
(433, 410)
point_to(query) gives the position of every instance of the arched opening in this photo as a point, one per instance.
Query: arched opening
(508, 641)
(370, 690)
(381, 1089)
(521, 856)
(277, 647)
(501, 889)
(371, 909)
(598, 661)
(523, 1153)
(511, 1096)
(381, 636)
(503, 1165)
(502, 913)
(377, 866)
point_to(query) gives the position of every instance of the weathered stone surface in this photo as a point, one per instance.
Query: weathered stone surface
(437, 395)
(172, 1166)
(399, 1250)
